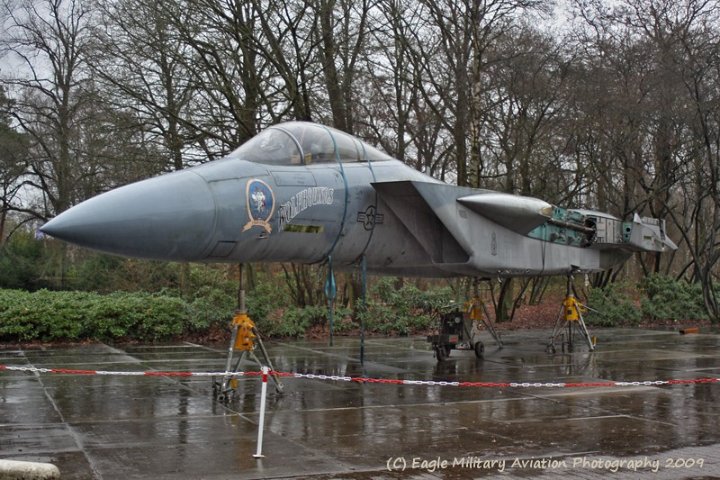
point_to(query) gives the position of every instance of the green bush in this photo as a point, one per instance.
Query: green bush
(289, 322)
(403, 311)
(97, 272)
(102, 273)
(72, 316)
(211, 306)
(296, 321)
(266, 297)
(670, 299)
(21, 261)
(612, 307)
(378, 317)
(114, 317)
(42, 315)
(164, 317)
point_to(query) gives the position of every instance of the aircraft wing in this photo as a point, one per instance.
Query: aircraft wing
(451, 223)
(421, 206)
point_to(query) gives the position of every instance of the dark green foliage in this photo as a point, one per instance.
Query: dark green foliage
(211, 306)
(21, 262)
(664, 299)
(97, 273)
(43, 315)
(71, 316)
(267, 297)
(106, 273)
(267, 305)
(162, 316)
(293, 321)
(403, 311)
(612, 307)
(670, 299)
(113, 317)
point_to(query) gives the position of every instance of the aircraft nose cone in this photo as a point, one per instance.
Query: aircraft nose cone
(171, 217)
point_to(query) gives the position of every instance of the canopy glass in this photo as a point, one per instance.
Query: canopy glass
(301, 143)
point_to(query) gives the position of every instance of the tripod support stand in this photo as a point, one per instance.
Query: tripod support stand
(570, 320)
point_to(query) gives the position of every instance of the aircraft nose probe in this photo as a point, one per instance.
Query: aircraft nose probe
(171, 217)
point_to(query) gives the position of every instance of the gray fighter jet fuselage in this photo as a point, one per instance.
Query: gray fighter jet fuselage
(301, 192)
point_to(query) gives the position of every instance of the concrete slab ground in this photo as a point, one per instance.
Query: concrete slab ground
(110, 427)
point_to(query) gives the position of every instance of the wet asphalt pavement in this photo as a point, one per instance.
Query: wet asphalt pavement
(167, 427)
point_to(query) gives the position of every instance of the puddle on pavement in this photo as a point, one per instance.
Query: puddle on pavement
(121, 426)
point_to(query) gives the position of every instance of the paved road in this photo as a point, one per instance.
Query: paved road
(111, 427)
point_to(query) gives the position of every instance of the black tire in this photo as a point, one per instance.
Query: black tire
(442, 352)
(479, 350)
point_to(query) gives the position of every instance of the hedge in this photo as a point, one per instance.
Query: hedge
(70, 316)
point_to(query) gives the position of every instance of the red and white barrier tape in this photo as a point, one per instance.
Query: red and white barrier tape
(386, 381)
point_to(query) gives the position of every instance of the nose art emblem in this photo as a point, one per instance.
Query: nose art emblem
(260, 202)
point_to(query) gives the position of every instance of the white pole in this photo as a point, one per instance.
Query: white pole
(261, 424)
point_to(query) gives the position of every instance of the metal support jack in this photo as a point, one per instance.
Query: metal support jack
(245, 338)
(460, 329)
(473, 312)
(473, 307)
(569, 322)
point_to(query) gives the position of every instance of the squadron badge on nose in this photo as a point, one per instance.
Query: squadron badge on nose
(260, 202)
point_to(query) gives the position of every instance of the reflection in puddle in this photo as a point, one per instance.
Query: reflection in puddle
(143, 426)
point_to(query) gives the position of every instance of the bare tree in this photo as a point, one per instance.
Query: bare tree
(13, 153)
(451, 58)
(224, 71)
(287, 40)
(656, 130)
(341, 37)
(140, 62)
(385, 106)
(49, 37)
(526, 99)
(698, 217)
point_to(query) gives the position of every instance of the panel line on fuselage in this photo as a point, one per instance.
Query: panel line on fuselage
(372, 230)
(347, 196)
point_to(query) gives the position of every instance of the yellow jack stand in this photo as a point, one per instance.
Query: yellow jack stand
(245, 338)
(474, 310)
(570, 317)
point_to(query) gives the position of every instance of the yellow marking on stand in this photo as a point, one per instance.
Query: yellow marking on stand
(245, 339)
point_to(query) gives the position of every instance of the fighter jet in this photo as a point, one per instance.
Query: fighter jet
(306, 193)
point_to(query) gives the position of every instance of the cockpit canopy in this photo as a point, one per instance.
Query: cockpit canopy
(303, 143)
